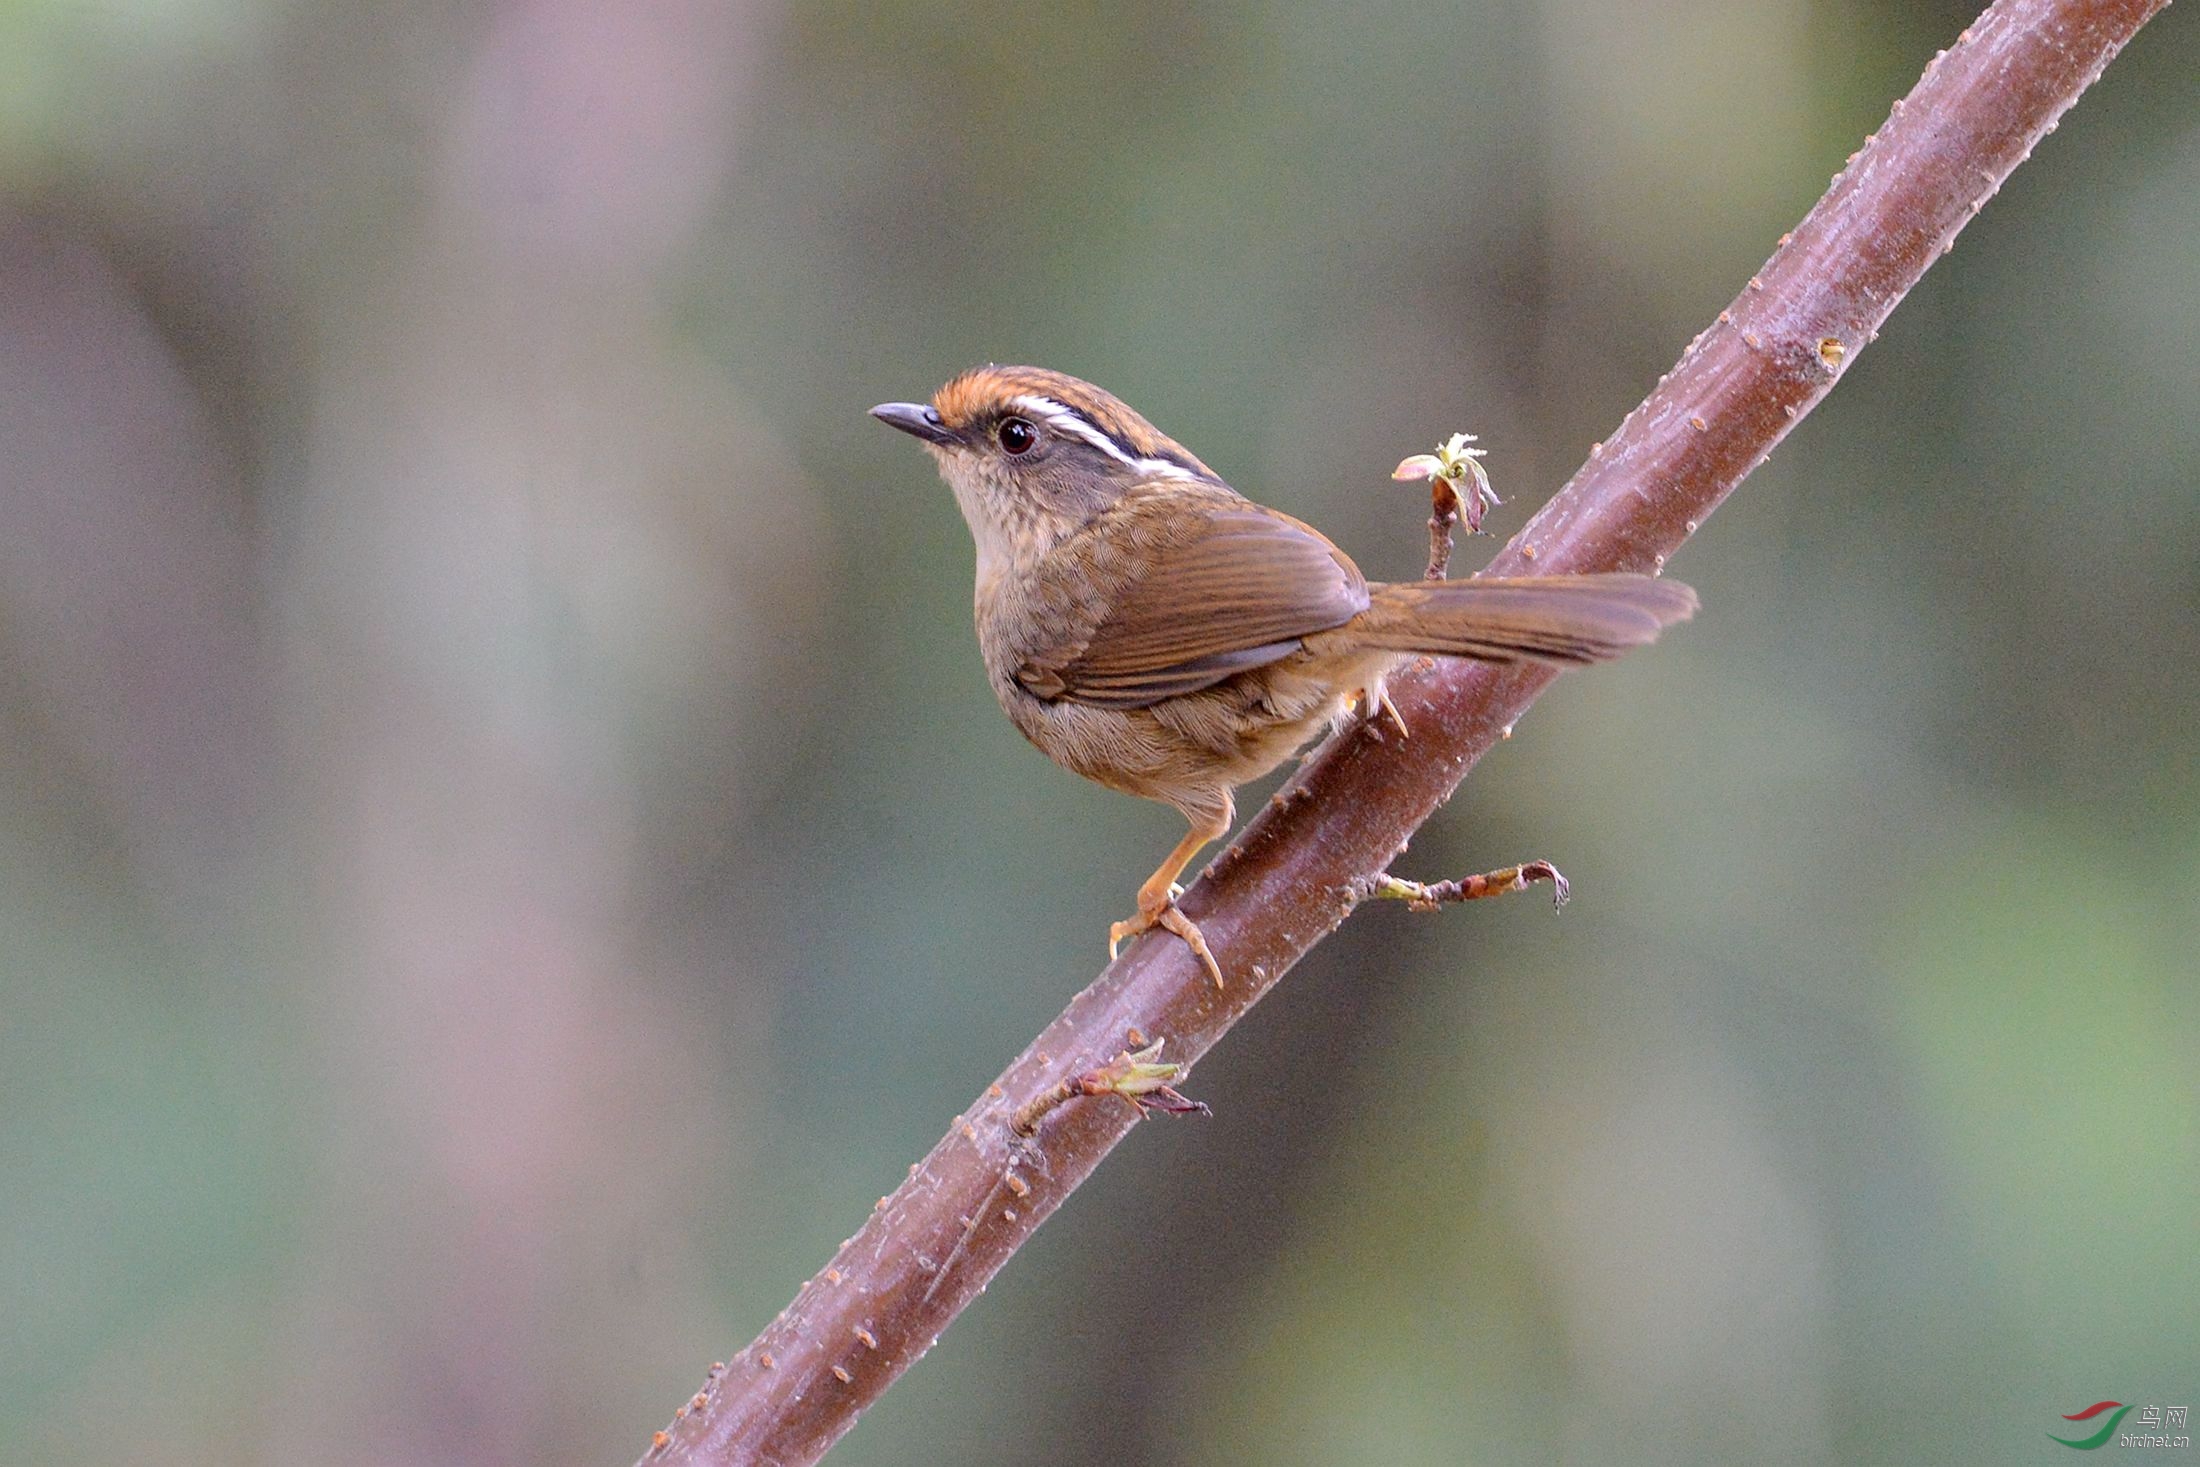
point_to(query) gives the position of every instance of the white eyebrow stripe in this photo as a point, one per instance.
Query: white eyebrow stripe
(1066, 419)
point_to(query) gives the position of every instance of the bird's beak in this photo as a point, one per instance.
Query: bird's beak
(915, 419)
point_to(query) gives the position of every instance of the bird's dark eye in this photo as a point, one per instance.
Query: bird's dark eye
(1016, 435)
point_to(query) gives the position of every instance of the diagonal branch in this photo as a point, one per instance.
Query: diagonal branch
(1290, 878)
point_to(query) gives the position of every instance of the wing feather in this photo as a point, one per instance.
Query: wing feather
(1219, 585)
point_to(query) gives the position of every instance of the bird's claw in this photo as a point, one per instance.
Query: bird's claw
(1380, 707)
(1171, 917)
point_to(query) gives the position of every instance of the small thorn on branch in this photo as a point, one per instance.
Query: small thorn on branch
(1137, 1076)
(1453, 464)
(1420, 897)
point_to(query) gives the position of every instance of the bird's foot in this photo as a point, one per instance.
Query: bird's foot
(1166, 914)
(1379, 707)
(1371, 707)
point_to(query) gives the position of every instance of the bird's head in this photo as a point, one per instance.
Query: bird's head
(1032, 455)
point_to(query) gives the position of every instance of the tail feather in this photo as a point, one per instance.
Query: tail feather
(1563, 619)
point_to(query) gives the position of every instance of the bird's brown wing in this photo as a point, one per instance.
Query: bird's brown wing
(1176, 591)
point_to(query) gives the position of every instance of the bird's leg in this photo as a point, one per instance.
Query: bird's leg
(1157, 898)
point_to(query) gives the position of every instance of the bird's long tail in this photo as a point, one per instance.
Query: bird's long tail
(1564, 619)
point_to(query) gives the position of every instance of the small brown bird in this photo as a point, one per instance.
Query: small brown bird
(1150, 628)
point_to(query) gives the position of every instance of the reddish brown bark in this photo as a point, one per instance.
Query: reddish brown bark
(1290, 878)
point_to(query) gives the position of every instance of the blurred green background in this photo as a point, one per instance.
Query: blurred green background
(506, 849)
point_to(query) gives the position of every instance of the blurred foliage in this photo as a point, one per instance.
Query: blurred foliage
(505, 847)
